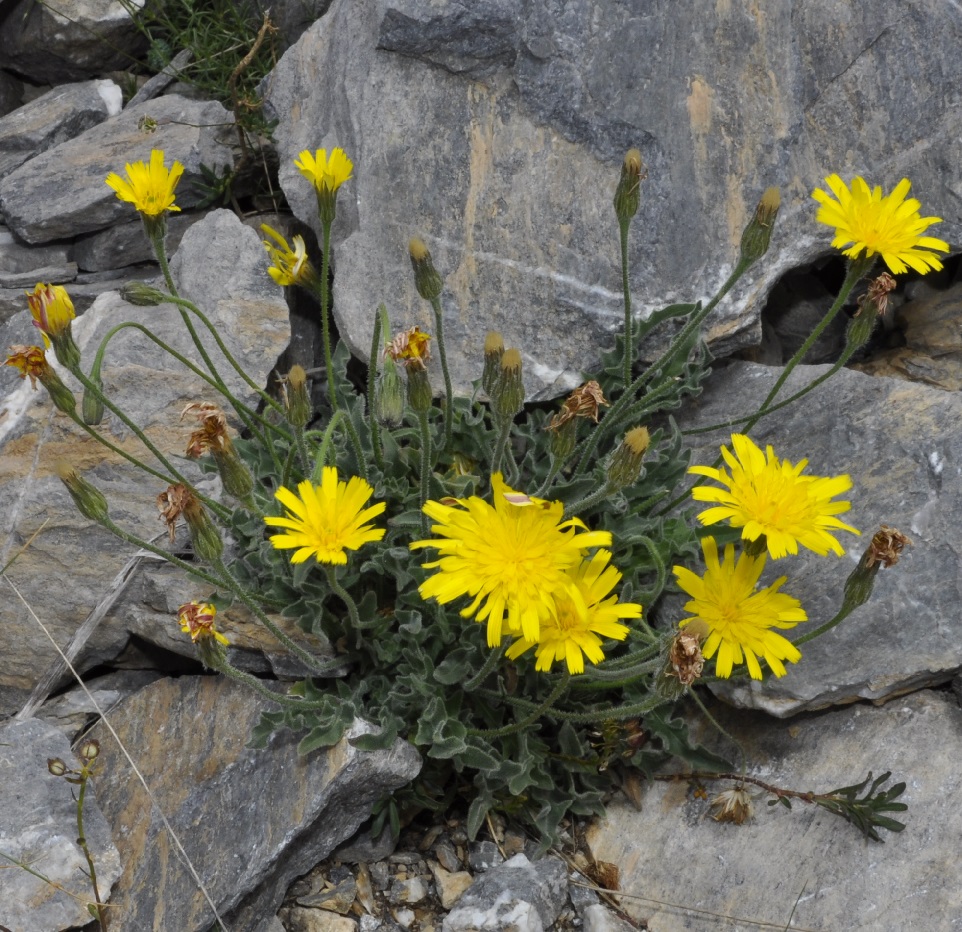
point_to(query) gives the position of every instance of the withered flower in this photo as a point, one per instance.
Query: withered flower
(886, 546)
(685, 657)
(212, 435)
(410, 347)
(584, 401)
(171, 504)
(734, 805)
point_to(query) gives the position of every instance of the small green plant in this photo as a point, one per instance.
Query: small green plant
(483, 574)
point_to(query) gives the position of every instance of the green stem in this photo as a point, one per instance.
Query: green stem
(534, 715)
(254, 683)
(614, 679)
(356, 444)
(494, 658)
(325, 310)
(821, 629)
(82, 842)
(589, 501)
(324, 450)
(629, 338)
(373, 426)
(425, 467)
(628, 398)
(239, 591)
(448, 391)
(345, 597)
(504, 432)
(556, 465)
(617, 712)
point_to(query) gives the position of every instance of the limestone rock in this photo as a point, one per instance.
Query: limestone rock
(59, 41)
(250, 820)
(60, 193)
(496, 132)
(38, 825)
(900, 444)
(53, 118)
(807, 863)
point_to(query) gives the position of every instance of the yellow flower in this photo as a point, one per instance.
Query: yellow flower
(770, 497)
(325, 520)
(291, 266)
(890, 226)
(51, 309)
(585, 612)
(739, 619)
(326, 174)
(150, 188)
(197, 620)
(30, 361)
(410, 347)
(511, 558)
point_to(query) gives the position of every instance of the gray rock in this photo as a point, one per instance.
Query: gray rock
(156, 85)
(506, 157)
(67, 567)
(126, 244)
(59, 115)
(11, 93)
(61, 193)
(51, 274)
(38, 826)
(517, 894)
(250, 821)
(806, 864)
(900, 444)
(50, 45)
(598, 918)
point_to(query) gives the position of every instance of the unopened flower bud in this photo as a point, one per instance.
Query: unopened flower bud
(141, 294)
(203, 532)
(628, 192)
(56, 766)
(90, 501)
(625, 465)
(299, 409)
(426, 278)
(60, 395)
(389, 394)
(508, 394)
(92, 407)
(420, 393)
(234, 473)
(758, 233)
(493, 351)
(563, 439)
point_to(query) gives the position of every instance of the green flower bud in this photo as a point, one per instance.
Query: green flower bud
(628, 192)
(203, 532)
(420, 393)
(92, 407)
(508, 394)
(142, 295)
(61, 396)
(426, 278)
(389, 395)
(299, 408)
(90, 501)
(758, 233)
(234, 474)
(493, 351)
(625, 465)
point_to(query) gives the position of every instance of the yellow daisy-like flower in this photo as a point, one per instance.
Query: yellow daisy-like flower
(291, 266)
(889, 226)
(51, 309)
(770, 497)
(326, 174)
(150, 188)
(511, 558)
(740, 619)
(325, 520)
(197, 620)
(585, 612)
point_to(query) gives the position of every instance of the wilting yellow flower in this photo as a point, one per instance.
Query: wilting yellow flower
(410, 347)
(291, 266)
(51, 309)
(510, 558)
(31, 361)
(197, 620)
(326, 174)
(770, 497)
(739, 619)
(325, 520)
(150, 188)
(889, 226)
(585, 612)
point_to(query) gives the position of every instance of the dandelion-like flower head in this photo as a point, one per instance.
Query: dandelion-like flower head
(149, 187)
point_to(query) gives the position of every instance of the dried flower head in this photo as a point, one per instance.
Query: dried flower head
(211, 436)
(410, 347)
(584, 401)
(171, 504)
(878, 294)
(31, 362)
(886, 546)
(734, 805)
(685, 657)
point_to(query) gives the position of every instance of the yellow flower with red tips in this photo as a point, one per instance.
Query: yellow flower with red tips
(197, 620)
(31, 361)
(891, 226)
(148, 186)
(51, 309)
